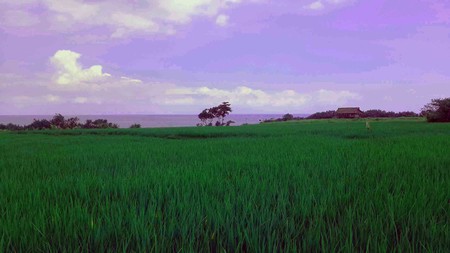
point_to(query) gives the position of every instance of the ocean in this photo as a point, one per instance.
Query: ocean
(147, 121)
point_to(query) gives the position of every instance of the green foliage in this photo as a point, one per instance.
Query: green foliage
(308, 186)
(438, 110)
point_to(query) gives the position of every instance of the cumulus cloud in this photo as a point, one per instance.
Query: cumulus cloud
(70, 72)
(72, 76)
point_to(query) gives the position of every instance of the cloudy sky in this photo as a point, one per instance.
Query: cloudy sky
(180, 56)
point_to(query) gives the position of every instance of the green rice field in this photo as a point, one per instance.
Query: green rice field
(307, 186)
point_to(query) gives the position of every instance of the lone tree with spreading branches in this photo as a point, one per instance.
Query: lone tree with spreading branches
(219, 112)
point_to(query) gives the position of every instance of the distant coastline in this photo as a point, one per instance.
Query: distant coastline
(126, 120)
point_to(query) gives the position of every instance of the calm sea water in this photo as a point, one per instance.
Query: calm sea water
(125, 121)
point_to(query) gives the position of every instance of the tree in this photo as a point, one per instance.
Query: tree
(438, 110)
(72, 123)
(207, 116)
(223, 110)
(287, 117)
(58, 121)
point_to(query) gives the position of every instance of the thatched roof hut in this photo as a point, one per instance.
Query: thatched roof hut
(349, 112)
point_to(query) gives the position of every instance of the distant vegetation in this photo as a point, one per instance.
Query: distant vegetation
(374, 113)
(323, 115)
(285, 117)
(60, 122)
(438, 110)
(333, 114)
(218, 113)
(135, 125)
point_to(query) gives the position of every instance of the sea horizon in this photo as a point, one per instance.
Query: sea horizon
(146, 120)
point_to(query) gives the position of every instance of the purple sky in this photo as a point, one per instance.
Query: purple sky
(180, 56)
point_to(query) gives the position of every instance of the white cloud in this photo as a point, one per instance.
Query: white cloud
(318, 5)
(74, 10)
(70, 72)
(127, 23)
(76, 86)
(120, 18)
(245, 96)
(222, 20)
(130, 80)
(321, 4)
(71, 76)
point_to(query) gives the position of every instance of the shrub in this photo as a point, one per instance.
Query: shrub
(135, 125)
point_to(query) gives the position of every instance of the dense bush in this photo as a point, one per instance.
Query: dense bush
(135, 125)
(438, 110)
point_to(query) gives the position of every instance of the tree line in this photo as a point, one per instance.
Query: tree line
(373, 113)
(438, 110)
(60, 122)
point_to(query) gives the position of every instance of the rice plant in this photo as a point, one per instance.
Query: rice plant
(324, 185)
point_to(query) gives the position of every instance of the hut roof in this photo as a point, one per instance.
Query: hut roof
(351, 110)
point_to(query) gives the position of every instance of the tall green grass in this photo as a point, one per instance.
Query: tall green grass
(329, 186)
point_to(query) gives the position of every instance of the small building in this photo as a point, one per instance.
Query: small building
(349, 112)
